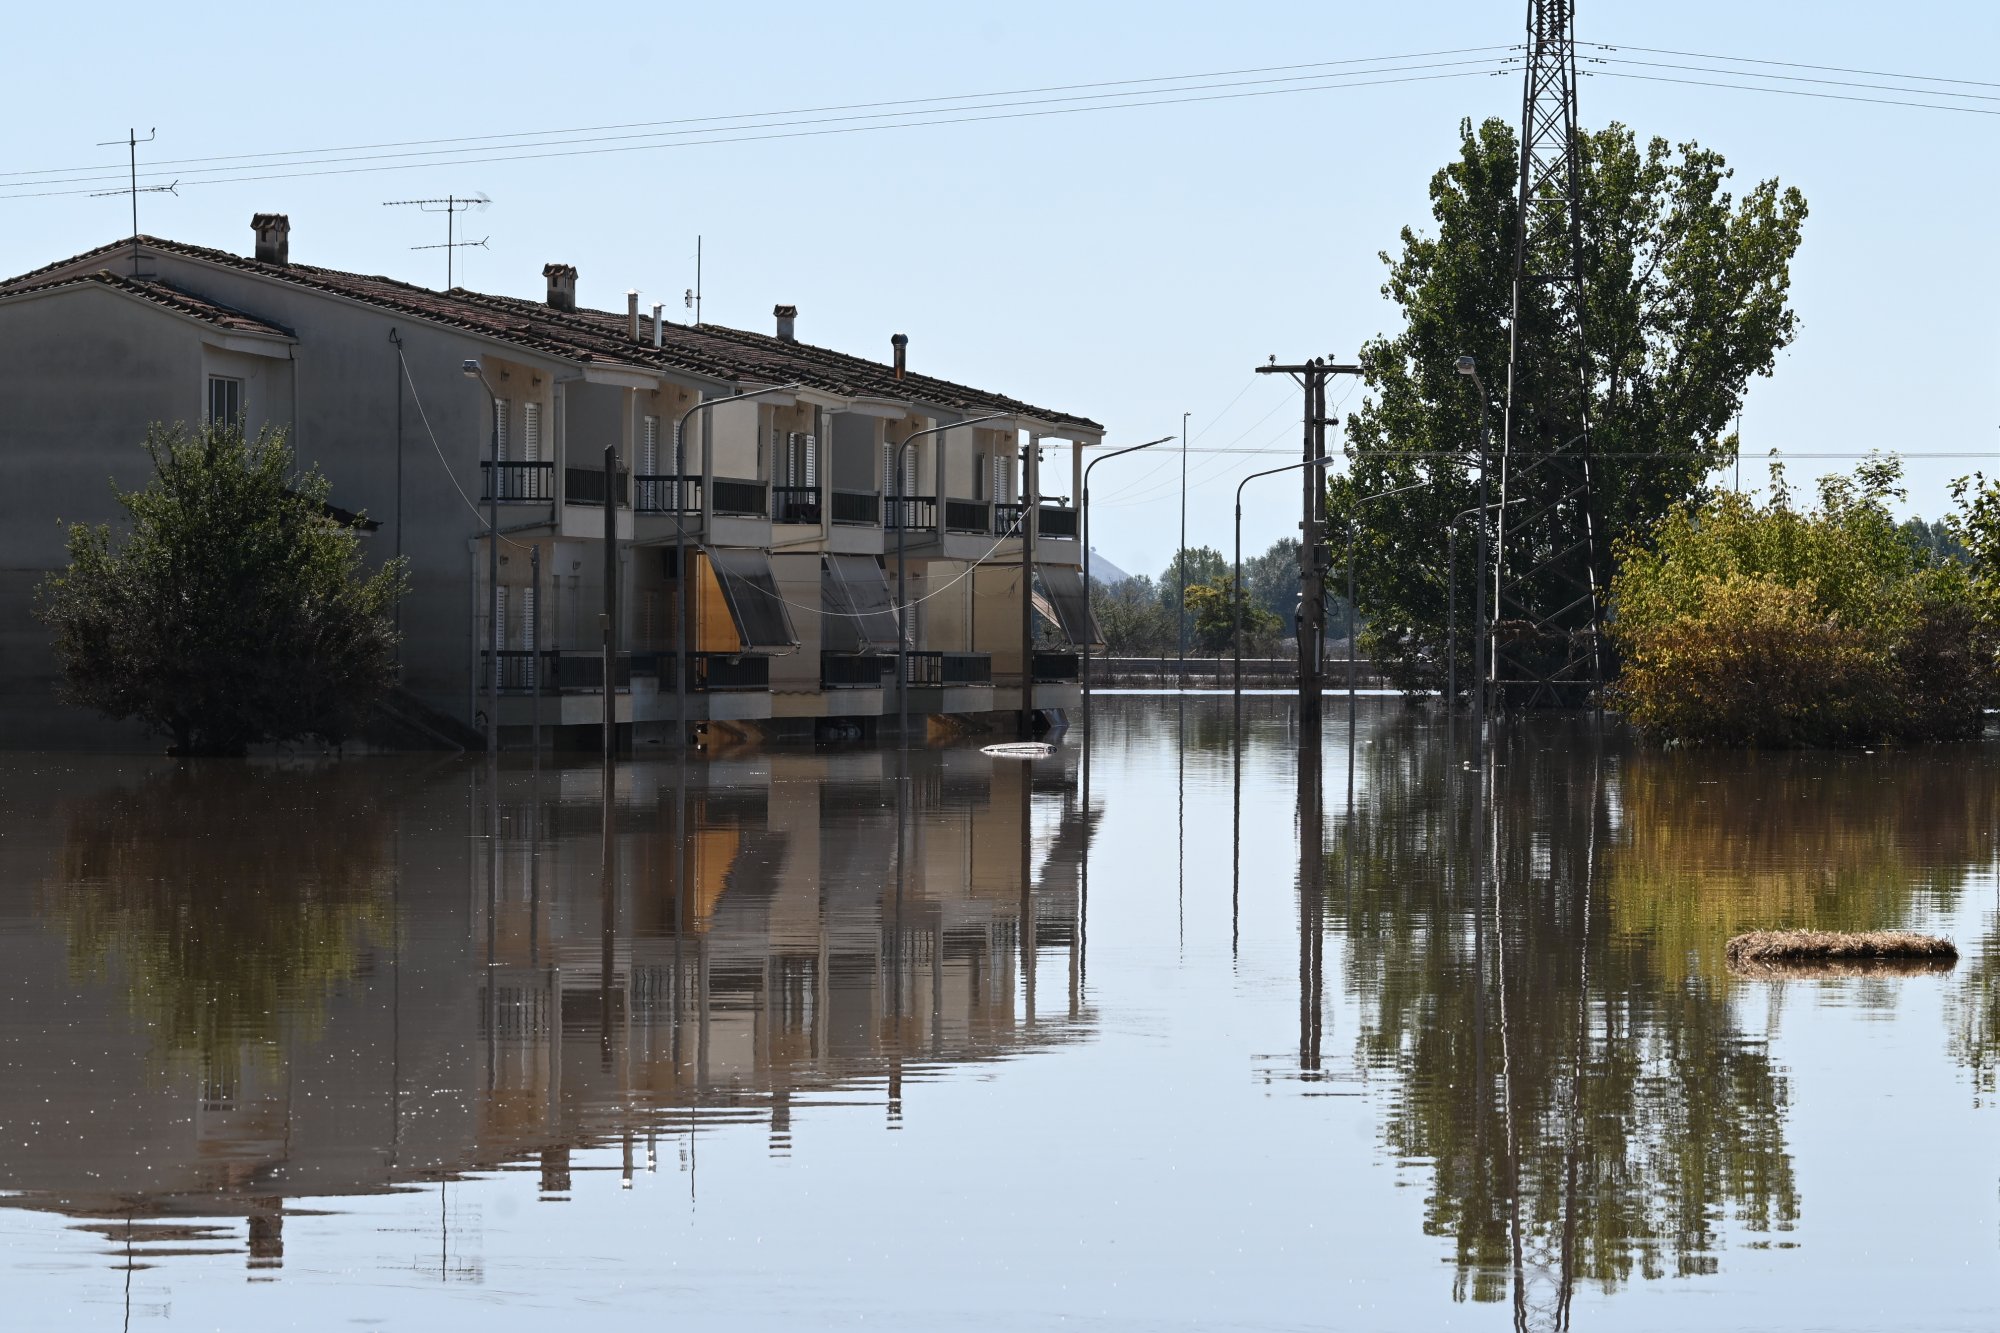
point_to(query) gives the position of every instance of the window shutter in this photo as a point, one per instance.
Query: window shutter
(811, 445)
(1000, 478)
(649, 449)
(500, 429)
(888, 468)
(531, 432)
(909, 471)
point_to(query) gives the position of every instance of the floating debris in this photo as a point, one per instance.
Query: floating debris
(1020, 750)
(1824, 952)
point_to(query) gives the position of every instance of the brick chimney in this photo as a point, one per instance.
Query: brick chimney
(274, 233)
(786, 315)
(901, 342)
(562, 285)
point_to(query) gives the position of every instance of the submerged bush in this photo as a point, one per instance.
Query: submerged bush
(1761, 624)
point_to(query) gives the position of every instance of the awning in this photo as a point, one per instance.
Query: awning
(859, 615)
(1072, 603)
(750, 591)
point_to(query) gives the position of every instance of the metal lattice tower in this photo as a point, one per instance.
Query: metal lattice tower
(1546, 575)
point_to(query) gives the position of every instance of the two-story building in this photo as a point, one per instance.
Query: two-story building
(755, 550)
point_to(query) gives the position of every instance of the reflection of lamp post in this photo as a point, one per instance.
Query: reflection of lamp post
(474, 371)
(683, 659)
(1084, 513)
(1482, 644)
(902, 607)
(1236, 632)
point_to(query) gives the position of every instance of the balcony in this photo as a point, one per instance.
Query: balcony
(585, 486)
(795, 504)
(967, 516)
(845, 671)
(559, 671)
(519, 483)
(942, 669)
(1055, 521)
(740, 498)
(915, 513)
(858, 508)
(667, 494)
(1008, 518)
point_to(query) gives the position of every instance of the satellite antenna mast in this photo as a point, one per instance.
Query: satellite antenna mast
(451, 206)
(132, 142)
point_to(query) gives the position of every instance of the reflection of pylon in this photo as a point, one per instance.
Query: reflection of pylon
(1545, 568)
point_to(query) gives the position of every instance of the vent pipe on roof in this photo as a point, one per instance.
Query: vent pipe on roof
(274, 237)
(632, 314)
(786, 315)
(657, 307)
(562, 285)
(901, 342)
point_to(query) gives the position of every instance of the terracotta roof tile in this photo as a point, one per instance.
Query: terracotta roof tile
(160, 294)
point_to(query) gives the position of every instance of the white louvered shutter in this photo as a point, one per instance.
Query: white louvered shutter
(649, 449)
(531, 432)
(500, 429)
(810, 444)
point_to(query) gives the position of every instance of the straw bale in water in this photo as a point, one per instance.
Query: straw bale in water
(1847, 948)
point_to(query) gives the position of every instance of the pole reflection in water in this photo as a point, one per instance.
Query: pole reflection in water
(1312, 893)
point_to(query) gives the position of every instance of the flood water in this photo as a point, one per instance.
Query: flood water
(1402, 1042)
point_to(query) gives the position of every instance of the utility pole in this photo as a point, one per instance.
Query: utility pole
(1180, 560)
(1311, 376)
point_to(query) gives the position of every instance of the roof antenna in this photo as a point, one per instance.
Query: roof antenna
(132, 142)
(451, 206)
(693, 297)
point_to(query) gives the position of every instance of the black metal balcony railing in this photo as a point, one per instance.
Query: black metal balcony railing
(746, 499)
(1057, 666)
(585, 486)
(844, 671)
(1007, 518)
(556, 671)
(931, 668)
(520, 483)
(966, 516)
(860, 507)
(1055, 521)
(913, 512)
(795, 504)
(666, 494)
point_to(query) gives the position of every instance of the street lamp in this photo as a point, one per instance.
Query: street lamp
(1236, 595)
(683, 659)
(474, 371)
(1482, 657)
(1085, 511)
(902, 606)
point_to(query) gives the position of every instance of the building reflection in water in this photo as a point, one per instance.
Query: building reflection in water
(272, 983)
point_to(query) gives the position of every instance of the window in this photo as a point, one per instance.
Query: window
(225, 400)
(999, 477)
(531, 432)
(500, 429)
(979, 476)
(810, 444)
(649, 449)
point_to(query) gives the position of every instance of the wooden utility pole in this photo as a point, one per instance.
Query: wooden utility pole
(1314, 561)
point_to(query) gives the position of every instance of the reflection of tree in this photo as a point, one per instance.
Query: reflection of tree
(1712, 845)
(230, 899)
(1584, 1118)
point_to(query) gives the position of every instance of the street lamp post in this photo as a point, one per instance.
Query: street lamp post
(683, 659)
(1236, 594)
(473, 370)
(1085, 516)
(902, 605)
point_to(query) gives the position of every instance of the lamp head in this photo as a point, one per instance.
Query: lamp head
(1467, 366)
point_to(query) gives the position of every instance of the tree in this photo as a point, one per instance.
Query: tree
(1134, 622)
(1213, 608)
(1686, 296)
(235, 611)
(1760, 624)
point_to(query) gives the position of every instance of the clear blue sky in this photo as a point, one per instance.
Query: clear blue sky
(1129, 265)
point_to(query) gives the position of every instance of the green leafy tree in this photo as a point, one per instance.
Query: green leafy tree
(1213, 610)
(1686, 288)
(1746, 623)
(236, 609)
(1130, 613)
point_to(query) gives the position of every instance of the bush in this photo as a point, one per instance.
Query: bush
(1749, 624)
(235, 611)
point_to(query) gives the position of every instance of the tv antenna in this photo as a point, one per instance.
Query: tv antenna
(451, 206)
(693, 297)
(132, 142)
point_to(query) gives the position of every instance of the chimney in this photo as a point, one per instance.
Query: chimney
(786, 315)
(274, 231)
(657, 327)
(901, 343)
(562, 285)
(632, 314)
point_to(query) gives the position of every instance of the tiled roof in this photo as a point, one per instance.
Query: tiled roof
(599, 337)
(161, 294)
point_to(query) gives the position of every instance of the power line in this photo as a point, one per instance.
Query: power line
(1786, 64)
(1796, 92)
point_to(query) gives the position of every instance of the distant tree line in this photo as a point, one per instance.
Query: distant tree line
(1141, 616)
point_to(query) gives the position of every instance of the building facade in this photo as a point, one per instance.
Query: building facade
(755, 544)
